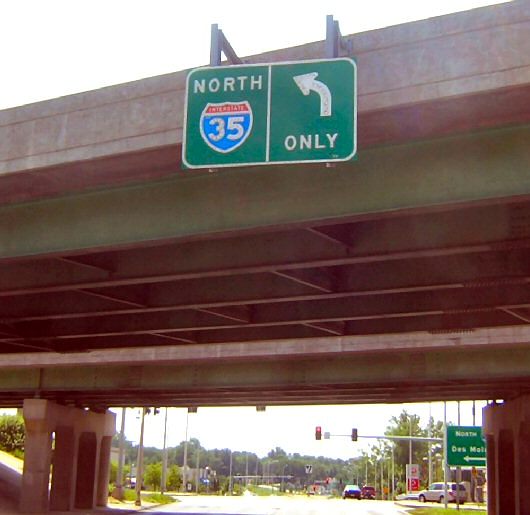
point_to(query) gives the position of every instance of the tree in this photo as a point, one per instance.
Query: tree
(174, 478)
(12, 434)
(436, 430)
(407, 425)
(114, 472)
(277, 453)
(153, 475)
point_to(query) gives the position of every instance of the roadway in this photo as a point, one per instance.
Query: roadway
(252, 505)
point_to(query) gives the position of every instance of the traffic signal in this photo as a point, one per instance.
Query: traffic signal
(318, 433)
(354, 434)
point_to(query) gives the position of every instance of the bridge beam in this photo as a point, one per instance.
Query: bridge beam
(490, 165)
(394, 375)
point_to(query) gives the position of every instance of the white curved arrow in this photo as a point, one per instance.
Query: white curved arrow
(307, 83)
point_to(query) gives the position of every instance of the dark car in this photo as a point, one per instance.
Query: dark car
(351, 492)
(368, 492)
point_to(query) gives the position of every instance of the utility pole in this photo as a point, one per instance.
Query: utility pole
(118, 491)
(393, 478)
(382, 475)
(139, 462)
(230, 472)
(409, 485)
(246, 469)
(410, 441)
(429, 434)
(458, 471)
(445, 455)
(198, 469)
(163, 481)
(185, 460)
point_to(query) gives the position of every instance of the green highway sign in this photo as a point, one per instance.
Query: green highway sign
(465, 446)
(270, 113)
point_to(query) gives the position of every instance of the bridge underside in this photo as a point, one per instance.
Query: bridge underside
(373, 268)
(403, 275)
(316, 297)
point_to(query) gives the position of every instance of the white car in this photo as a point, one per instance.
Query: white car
(435, 493)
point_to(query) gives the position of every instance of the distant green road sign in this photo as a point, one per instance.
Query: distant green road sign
(465, 446)
(270, 114)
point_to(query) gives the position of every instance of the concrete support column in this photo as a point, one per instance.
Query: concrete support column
(523, 472)
(507, 430)
(86, 471)
(63, 469)
(80, 462)
(102, 487)
(506, 473)
(37, 460)
(491, 454)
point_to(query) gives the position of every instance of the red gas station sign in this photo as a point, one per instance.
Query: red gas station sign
(414, 484)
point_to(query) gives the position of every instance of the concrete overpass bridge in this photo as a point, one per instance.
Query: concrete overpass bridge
(403, 276)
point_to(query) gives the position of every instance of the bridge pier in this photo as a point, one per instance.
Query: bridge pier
(507, 430)
(77, 443)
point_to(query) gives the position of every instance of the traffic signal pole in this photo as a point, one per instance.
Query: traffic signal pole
(390, 437)
(139, 462)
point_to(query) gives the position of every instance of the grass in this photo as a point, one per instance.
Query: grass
(158, 498)
(129, 495)
(259, 491)
(443, 511)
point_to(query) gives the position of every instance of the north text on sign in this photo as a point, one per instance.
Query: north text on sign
(228, 84)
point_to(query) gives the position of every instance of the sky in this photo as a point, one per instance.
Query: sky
(58, 47)
(53, 48)
(291, 428)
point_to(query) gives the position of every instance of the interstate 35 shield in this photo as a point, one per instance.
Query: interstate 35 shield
(225, 126)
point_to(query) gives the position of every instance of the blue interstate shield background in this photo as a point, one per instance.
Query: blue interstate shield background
(226, 126)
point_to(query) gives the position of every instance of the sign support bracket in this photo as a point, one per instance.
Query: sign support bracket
(219, 44)
(335, 43)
